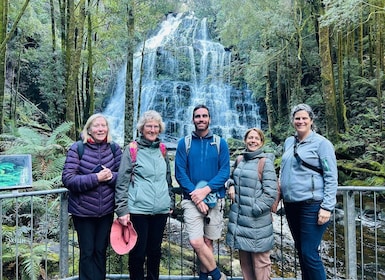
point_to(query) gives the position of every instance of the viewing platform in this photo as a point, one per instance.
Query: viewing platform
(38, 239)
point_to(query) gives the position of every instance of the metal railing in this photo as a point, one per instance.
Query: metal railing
(38, 239)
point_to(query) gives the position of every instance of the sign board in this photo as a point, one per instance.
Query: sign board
(15, 172)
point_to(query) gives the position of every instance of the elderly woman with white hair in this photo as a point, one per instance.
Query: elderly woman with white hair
(309, 180)
(143, 195)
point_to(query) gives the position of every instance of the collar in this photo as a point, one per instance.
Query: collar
(208, 135)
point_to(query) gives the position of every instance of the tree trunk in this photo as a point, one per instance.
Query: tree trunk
(379, 67)
(89, 105)
(53, 33)
(74, 44)
(268, 101)
(342, 118)
(129, 104)
(328, 84)
(3, 32)
(279, 91)
(4, 39)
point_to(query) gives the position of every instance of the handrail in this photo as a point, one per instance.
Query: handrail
(349, 193)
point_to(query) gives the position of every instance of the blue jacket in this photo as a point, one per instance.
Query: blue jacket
(202, 163)
(299, 183)
(87, 196)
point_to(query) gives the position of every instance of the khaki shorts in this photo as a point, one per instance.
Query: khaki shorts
(199, 225)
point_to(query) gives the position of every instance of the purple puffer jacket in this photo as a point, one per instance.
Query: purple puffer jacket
(88, 197)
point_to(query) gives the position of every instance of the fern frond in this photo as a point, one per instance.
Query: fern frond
(30, 136)
(59, 135)
(31, 266)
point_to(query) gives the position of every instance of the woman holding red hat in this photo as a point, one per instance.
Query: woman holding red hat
(143, 196)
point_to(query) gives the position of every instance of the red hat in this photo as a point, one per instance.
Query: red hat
(122, 238)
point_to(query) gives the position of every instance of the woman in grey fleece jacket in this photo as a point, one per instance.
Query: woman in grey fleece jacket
(250, 227)
(309, 180)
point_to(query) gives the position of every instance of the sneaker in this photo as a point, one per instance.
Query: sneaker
(223, 276)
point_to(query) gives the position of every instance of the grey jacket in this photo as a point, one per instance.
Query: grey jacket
(250, 225)
(299, 183)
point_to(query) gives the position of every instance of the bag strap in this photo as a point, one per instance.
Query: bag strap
(216, 138)
(261, 165)
(133, 146)
(81, 148)
(304, 163)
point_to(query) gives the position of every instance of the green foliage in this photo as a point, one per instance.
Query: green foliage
(51, 86)
(341, 13)
(31, 256)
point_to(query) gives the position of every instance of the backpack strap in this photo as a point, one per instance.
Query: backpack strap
(81, 148)
(217, 141)
(163, 149)
(187, 143)
(133, 147)
(113, 147)
(188, 138)
(238, 159)
(261, 165)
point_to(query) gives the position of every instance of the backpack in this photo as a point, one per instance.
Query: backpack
(188, 138)
(261, 165)
(81, 148)
(133, 146)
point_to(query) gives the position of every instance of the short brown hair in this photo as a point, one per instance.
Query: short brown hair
(259, 131)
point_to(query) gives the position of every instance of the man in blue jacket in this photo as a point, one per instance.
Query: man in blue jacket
(204, 157)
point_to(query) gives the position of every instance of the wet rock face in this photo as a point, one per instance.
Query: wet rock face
(181, 67)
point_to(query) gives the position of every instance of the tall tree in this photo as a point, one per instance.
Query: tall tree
(74, 44)
(379, 50)
(129, 104)
(89, 105)
(4, 39)
(327, 78)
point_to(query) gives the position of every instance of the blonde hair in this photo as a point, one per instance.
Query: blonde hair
(85, 132)
(150, 115)
(257, 130)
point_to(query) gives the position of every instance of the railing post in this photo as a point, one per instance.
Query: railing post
(63, 262)
(350, 235)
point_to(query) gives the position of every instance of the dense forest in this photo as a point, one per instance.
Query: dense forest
(59, 59)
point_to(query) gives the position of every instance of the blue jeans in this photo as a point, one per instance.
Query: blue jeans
(302, 218)
(148, 246)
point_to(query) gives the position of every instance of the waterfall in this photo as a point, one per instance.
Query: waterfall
(183, 67)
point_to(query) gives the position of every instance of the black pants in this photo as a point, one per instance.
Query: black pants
(93, 238)
(150, 234)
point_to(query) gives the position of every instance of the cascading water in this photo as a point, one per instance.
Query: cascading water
(182, 68)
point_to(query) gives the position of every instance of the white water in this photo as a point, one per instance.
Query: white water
(183, 67)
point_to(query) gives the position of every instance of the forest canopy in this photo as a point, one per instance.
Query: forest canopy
(60, 58)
